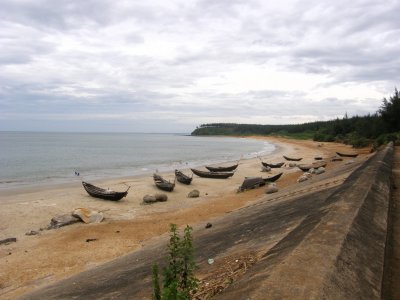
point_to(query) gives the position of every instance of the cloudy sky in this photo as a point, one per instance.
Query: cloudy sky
(168, 66)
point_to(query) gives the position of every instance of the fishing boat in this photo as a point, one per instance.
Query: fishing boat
(217, 175)
(183, 178)
(105, 194)
(292, 159)
(255, 182)
(222, 169)
(307, 167)
(273, 178)
(251, 183)
(347, 154)
(277, 165)
(335, 158)
(163, 184)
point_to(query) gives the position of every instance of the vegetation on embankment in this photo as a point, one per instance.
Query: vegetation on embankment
(358, 131)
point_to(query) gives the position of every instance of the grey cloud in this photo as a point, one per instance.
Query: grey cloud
(61, 14)
(21, 45)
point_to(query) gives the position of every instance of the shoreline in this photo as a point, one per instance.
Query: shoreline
(128, 224)
(70, 182)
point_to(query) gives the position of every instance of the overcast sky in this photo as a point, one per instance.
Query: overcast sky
(168, 66)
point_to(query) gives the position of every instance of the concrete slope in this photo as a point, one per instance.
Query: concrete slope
(342, 254)
(130, 276)
(304, 243)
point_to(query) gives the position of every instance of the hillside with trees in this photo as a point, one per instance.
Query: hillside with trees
(360, 131)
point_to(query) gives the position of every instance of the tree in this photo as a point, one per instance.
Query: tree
(390, 112)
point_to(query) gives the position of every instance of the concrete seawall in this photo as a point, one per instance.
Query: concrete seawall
(342, 256)
(358, 270)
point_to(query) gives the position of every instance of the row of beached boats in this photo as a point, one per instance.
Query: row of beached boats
(213, 172)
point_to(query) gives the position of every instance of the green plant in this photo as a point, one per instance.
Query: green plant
(179, 282)
(156, 284)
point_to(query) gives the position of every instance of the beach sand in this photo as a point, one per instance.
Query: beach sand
(34, 261)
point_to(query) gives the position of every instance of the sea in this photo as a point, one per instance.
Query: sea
(44, 158)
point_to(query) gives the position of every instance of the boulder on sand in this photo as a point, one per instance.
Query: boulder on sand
(148, 199)
(265, 169)
(302, 178)
(87, 215)
(62, 220)
(194, 194)
(161, 197)
(271, 188)
(320, 170)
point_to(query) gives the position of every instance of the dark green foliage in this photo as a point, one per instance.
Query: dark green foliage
(188, 281)
(386, 138)
(171, 272)
(390, 112)
(357, 131)
(179, 282)
(156, 284)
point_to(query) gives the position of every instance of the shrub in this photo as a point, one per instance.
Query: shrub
(179, 282)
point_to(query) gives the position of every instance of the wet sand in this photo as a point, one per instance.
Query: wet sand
(34, 261)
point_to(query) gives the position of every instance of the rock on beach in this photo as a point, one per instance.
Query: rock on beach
(194, 194)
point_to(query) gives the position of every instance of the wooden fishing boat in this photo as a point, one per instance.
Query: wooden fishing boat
(277, 165)
(105, 194)
(336, 158)
(347, 154)
(251, 183)
(255, 182)
(163, 184)
(292, 159)
(222, 169)
(316, 165)
(182, 178)
(217, 175)
(273, 178)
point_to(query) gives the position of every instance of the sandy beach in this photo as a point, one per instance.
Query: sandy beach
(34, 261)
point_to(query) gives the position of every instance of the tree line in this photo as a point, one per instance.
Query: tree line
(359, 131)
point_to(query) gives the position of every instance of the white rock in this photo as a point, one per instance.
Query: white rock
(302, 178)
(271, 189)
(265, 169)
(87, 215)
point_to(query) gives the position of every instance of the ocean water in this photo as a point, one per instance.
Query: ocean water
(28, 158)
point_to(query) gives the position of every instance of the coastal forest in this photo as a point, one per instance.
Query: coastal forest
(359, 131)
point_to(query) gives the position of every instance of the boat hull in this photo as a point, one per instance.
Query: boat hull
(104, 194)
(222, 169)
(347, 154)
(292, 159)
(163, 184)
(214, 175)
(182, 178)
(278, 165)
